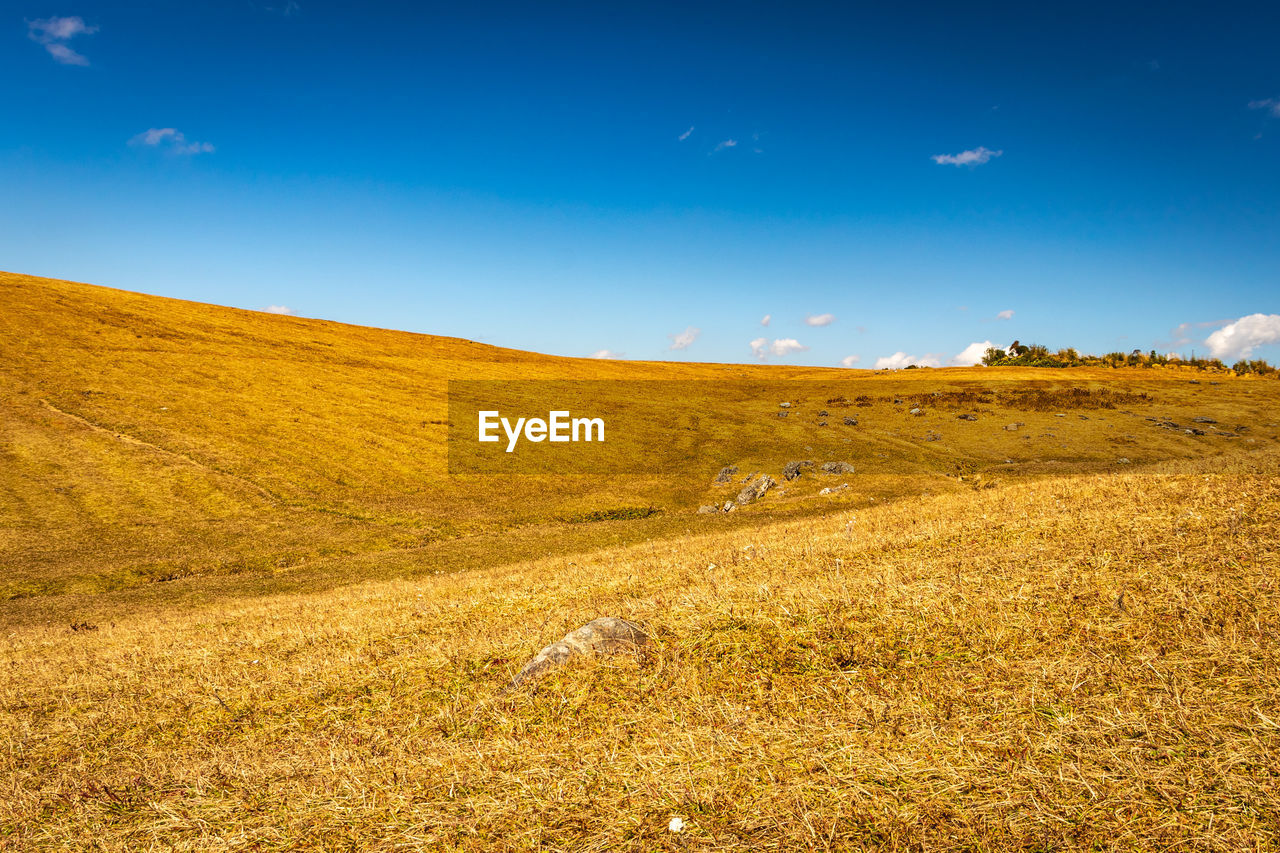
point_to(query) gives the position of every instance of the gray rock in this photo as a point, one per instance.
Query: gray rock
(836, 468)
(916, 412)
(792, 469)
(1203, 421)
(783, 414)
(607, 635)
(755, 491)
(822, 414)
(966, 417)
(850, 421)
(784, 405)
(933, 436)
(726, 473)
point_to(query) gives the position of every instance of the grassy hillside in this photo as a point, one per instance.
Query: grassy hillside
(246, 607)
(1083, 662)
(147, 440)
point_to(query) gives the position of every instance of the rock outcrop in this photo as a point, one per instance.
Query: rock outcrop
(836, 468)
(755, 491)
(792, 469)
(604, 636)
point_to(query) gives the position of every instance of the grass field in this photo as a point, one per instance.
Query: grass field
(246, 607)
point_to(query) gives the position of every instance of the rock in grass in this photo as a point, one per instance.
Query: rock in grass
(708, 508)
(792, 469)
(726, 473)
(850, 421)
(607, 635)
(756, 490)
(836, 468)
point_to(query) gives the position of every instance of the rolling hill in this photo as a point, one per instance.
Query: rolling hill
(247, 606)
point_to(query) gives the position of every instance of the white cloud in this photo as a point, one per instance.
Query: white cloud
(900, 359)
(1271, 105)
(728, 143)
(761, 348)
(54, 33)
(682, 137)
(1239, 339)
(604, 353)
(786, 346)
(685, 338)
(820, 319)
(1007, 314)
(850, 360)
(278, 309)
(972, 354)
(172, 140)
(764, 321)
(974, 157)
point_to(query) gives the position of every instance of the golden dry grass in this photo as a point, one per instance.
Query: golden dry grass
(1087, 662)
(1061, 651)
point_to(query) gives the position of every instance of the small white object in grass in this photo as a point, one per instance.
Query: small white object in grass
(676, 825)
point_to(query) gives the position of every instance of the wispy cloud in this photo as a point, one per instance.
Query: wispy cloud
(1240, 338)
(728, 143)
(54, 33)
(972, 354)
(604, 353)
(764, 321)
(278, 309)
(1271, 105)
(973, 157)
(820, 319)
(1006, 314)
(171, 140)
(900, 360)
(850, 360)
(682, 137)
(762, 348)
(682, 340)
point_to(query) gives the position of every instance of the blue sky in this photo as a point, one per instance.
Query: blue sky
(653, 180)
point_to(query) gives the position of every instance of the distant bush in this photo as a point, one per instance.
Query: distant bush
(1034, 355)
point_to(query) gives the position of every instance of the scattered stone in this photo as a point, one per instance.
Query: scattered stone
(604, 636)
(1123, 460)
(783, 414)
(726, 473)
(1215, 383)
(1203, 421)
(822, 423)
(1059, 416)
(756, 490)
(784, 405)
(1194, 431)
(83, 626)
(916, 411)
(933, 436)
(822, 414)
(1083, 417)
(1195, 381)
(836, 468)
(709, 508)
(1013, 427)
(850, 421)
(966, 417)
(830, 490)
(729, 506)
(792, 469)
